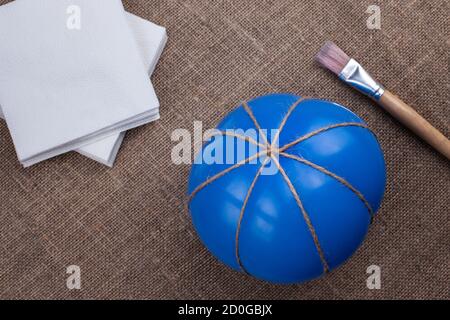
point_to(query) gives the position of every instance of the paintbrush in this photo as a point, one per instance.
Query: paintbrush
(353, 74)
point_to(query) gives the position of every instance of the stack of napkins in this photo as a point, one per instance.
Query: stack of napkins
(65, 88)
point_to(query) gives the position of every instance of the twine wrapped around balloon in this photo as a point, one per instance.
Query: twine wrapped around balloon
(272, 152)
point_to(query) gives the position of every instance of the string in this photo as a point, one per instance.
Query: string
(316, 132)
(305, 216)
(242, 211)
(285, 119)
(224, 172)
(235, 135)
(333, 175)
(255, 122)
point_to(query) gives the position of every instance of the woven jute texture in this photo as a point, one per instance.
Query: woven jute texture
(128, 227)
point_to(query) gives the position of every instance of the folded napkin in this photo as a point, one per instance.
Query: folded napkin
(63, 88)
(151, 40)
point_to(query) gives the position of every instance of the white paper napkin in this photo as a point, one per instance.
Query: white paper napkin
(151, 40)
(62, 88)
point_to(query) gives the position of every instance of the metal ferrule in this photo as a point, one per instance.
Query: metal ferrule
(354, 75)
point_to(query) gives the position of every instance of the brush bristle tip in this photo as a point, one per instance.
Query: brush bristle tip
(332, 57)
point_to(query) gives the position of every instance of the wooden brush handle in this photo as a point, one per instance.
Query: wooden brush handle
(414, 121)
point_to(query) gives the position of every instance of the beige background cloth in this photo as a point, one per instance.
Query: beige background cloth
(128, 227)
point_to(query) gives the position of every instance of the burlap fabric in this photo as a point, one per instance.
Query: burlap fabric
(128, 227)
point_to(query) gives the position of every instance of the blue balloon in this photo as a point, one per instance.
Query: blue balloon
(286, 188)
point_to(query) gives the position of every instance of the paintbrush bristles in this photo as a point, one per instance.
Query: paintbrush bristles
(332, 57)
